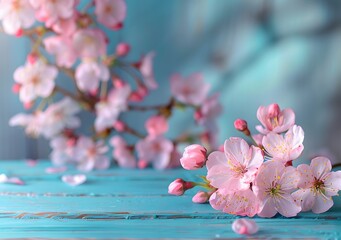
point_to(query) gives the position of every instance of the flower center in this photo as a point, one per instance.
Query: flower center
(275, 191)
(318, 186)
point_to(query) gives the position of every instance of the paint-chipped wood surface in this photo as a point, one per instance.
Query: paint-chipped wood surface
(120, 203)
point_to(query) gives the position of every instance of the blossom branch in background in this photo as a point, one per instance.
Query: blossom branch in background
(68, 43)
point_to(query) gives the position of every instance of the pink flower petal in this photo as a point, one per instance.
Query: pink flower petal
(55, 169)
(244, 226)
(322, 203)
(74, 180)
(304, 197)
(16, 180)
(320, 166)
(13, 180)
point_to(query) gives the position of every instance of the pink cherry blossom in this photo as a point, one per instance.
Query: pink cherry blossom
(317, 185)
(89, 43)
(62, 47)
(36, 80)
(89, 74)
(236, 168)
(275, 120)
(285, 148)
(74, 180)
(191, 90)
(146, 69)
(156, 125)
(124, 156)
(63, 150)
(194, 157)
(16, 15)
(109, 109)
(240, 125)
(66, 27)
(59, 116)
(110, 13)
(244, 226)
(156, 150)
(49, 11)
(242, 202)
(273, 186)
(33, 123)
(179, 186)
(91, 155)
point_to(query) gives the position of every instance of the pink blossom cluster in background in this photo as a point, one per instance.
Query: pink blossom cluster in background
(104, 84)
(260, 179)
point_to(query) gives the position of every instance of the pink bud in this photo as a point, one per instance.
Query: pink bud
(156, 125)
(117, 26)
(200, 197)
(198, 115)
(177, 187)
(119, 126)
(244, 226)
(194, 157)
(19, 33)
(143, 91)
(122, 49)
(32, 58)
(28, 105)
(142, 164)
(135, 97)
(118, 82)
(240, 124)
(16, 88)
(274, 110)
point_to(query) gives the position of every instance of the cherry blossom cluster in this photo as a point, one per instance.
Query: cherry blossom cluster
(260, 178)
(70, 42)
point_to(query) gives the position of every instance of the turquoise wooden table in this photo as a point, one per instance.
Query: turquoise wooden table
(130, 204)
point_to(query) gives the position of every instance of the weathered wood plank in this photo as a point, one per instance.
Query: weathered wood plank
(120, 203)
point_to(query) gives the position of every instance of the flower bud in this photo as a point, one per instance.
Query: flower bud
(142, 164)
(179, 186)
(117, 26)
(200, 197)
(16, 88)
(194, 157)
(118, 83)
(244, 226)
(241, 125)
(122, 49)
(28, 105)
(119, 126)
(135, 97)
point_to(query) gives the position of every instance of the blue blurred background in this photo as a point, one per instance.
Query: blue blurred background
(253, 52)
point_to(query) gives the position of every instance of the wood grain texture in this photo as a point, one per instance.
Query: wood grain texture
(131, 204)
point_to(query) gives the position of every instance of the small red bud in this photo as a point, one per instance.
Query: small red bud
(16, 88)
(117, 26)
(119, 126)
(122, 49)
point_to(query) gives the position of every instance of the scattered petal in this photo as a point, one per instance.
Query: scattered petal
(55, 169)
(74, 180)
(244, 226)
